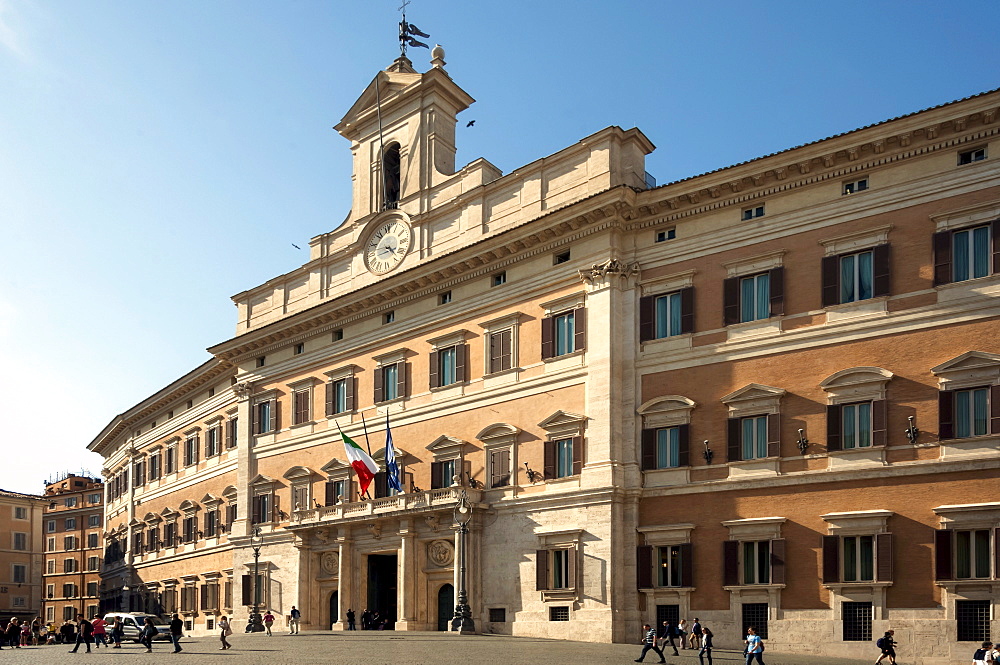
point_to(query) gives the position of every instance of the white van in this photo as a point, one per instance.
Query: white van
(132, 623)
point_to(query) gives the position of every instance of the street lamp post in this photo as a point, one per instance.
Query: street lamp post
(256, 542)
(462, 621)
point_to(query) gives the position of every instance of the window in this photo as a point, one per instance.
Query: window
(753, 437)
(93, 563)
(191, 450)
(448, 365)
(299, 348)
(671, 613)
(338, 334)
(755, 616)
(663, 236)
(94, 498)
(500, 468)
(968, 253)
(389, 317)
(50, 545)
(50, 613)
(232, 432)
(50, 526)
(70, 502)
(170, 534)
(91, 589)
(858, 558)
(856, 425)
(265, 417)
(69, 613)
(211, 523)
(50, 567)
(755, 297)
(300, 402)
(562, 257)
(753, 213)
(973, 619)
(263, 509)
(501, 350)
(444, 298)
(670, 566)
(390, 381)
(972, 554)
(213, 441)
(154, 466)
(498, 615)
(139, 473)
(971, 412)
(20, 541)
(498, 279)
(92, 540)
(69, 591)
(564, 458)
(335, 491)
(170, 460)
(856, 277)
(970, 156)
(855, 186)
(391, 180)
(70, 523)
(337, 396)
(69, 543)
(668, 447)
(564, 333)
(20, 573)
(857, 621)
(756, 562)
(152, 538)
(190, 530)
(20, 513)
(559, 613)
(559, 562)
(261, 361)
(443, 473)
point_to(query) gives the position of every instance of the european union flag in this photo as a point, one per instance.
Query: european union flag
(391, 468)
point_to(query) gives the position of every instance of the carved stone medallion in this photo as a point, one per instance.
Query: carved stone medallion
(441, 553)
(330, 561)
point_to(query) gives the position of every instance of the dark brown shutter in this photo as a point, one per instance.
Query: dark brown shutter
(571, 555)
(434, 370)
(647, 318)
(379, 390)
(881, 271)
(731, 301)
(735, 449)
(541, 570)
(549, 465)
(776, 281)
(996, 551)
(350, 390)
(942, 555)
(495, 362)
(204, 597)
(495, 468)
(275, 511)
(580, 329)
(331, 493)
(247, 590)
(879, 422)
(381, 485)
(330, 410)
(648, 449)
(883, 555)
(774, 435)
(402, 380)
(231, 432)
(995, 418)
(548, 337)
(462, 363)
(946, 414)
(778, 561)
(301, 406)
(275, 415)
(256, 418)
(830, 272)
(687, 310)
(942, 257)
(504, 468)
(577, 455)
(684, 445)
(995, 233)
(255, 504)
(831, 559)
(687, 565)
(506, 349)
(730, 563)
(834, 424)
(437, 474)
(643, 567)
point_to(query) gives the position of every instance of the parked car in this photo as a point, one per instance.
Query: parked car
(132, 623)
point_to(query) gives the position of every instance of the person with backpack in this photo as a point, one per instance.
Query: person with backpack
(755, 646)
(667, 636)
(887, 645)
(84, 633)
(983, 655)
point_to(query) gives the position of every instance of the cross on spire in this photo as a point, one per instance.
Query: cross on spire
(407, 31)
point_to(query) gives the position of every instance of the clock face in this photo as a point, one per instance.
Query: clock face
(387, 246)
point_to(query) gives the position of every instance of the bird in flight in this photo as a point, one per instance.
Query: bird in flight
(470, 123)
(296, 246)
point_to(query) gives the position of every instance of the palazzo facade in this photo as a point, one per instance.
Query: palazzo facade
(766, 395)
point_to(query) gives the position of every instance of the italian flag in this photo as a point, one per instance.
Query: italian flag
(362, 462)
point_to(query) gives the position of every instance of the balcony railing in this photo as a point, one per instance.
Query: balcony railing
(437, 499)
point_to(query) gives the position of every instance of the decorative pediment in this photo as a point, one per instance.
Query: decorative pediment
(298, 473)
(169, 513)
(210, 500)
(498, 433)
(260, 479)
(561, 419)
(380, 454)
(389, 85)
(135, 523)
(334, 465)
(445, 443)
(188, 506)
(856, 384)
(753, 399)
(969, 369)
(152, 518)
(230, 493)
(666, 411)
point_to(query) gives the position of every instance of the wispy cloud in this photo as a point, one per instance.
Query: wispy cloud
(9, 37)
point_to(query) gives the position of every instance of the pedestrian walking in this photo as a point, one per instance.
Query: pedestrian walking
(25, 634)
(84, 633)
(350, 620)
(176, 632)
(100, 632)
(755, 646)
(706, 645)
(682, 630)
(649, 643)
(293, 622)
(117, 632)
(694, 641)
(268, 622)
(888, 647)
(225, 631)
(667, 636)
(147, 634)
(983, 655)
(36, 632)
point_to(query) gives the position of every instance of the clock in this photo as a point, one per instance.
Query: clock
(387, 246)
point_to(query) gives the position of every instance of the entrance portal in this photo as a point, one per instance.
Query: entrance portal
(334, 609)
(446, 606)
(382, 587)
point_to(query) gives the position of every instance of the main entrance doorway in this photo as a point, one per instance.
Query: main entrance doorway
(446, 606)
(334, 609)
(382, 586)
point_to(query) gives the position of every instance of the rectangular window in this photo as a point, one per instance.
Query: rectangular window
(971, 252)
(559, 613)
(300, 400)
(388, 317)
(449, 469)
(447, 366)
(565, 333)
(562, 257)
(50, 545)
(755, 297)
(264, 416)
(857, 622)
(299, 348)
(339, 395)
(973, 619)
(170, 460)
(213, 441)
(50, 567)
(70, 502)
(50, 526)
(856, 423)
(970, 156)
(757, 562)
(69, 613)
(444, 298)
(92, 540)
(663, 236)
(670, 613)
(21, 573)
(755, 616)
(338, 334)
(859, 558)
(69, 590)
(856, 186)
(191, 451)
(668, 315)
(154, 466)
(670, 566)
(501, 350)
(211, 523)
(170, 534)
(94, 498)
(498, 615)
(69, 543)
(564, 458)
(94, 520)
(50, 613)
(390, 382)
(500, 468)
(261, 361)
(498, 279)
(753, 213)
(70, 523)
(20, 513)
(559, 562)
(971, 412)
(754, 437)
(856, 276)
(93, 563)
(20, 541)
(972, 554)
(92, 589)
(668, 447)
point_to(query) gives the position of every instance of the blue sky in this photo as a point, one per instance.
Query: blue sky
(158, 157)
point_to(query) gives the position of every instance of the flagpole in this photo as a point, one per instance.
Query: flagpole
(369, 452)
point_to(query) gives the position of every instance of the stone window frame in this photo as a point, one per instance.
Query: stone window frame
(262, 485)
(170, 448)
(858, 523)
(445, 449)
(970, 517)
(187, 583)
(271, 395)
(170, 516)
(500, 437)
(563, 425)
(668, 535)
(399, 358)
(215, 424)
(300, 479)
(154, 452)
(752, 400)
(856, 385)
(661, 413)
(755, 529)
(231, 496)
(210, 579)
(511, 322)
(567, 304)
(153, 521)
(307, 386)
(212, 503)
(189, 509)
(192, 434)
(337, 470)
(458, 340)
(972, 369)
(560, 540)
(347, 373)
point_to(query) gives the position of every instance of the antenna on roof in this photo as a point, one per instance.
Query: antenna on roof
(406, 32)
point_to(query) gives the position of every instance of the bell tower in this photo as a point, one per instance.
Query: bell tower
(402, 134)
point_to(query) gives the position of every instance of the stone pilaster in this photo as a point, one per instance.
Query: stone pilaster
(246, 461)
(345, 578)
(406, 579)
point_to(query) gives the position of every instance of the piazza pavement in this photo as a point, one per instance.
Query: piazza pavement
(390, 648)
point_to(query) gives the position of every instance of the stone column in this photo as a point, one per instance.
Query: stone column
(246, 467)
(345, 578)
(406, 582)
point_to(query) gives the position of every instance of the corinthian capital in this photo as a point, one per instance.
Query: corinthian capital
(610, 272)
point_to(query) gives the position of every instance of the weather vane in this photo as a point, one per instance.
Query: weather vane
(406, 32)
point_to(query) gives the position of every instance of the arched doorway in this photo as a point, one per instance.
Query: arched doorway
(446, 606)
(334, 608)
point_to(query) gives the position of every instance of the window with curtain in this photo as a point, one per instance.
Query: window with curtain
(859, 558)
(447, 358)
(971, 253)
(564, 458)
(668, 315)
(755, 297)
(668, 448)
(856, 425)
(390, 382)
(564, 333)
(754, 437)
(757, 562)
(670, 566)
(972, 554)
(856, 277)
(971, 412)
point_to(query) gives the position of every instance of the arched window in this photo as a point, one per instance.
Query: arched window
(390, 177)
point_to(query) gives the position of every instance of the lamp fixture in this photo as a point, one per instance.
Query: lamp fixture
(533, 476)
(803, 442)
(707, 454)
(912, 432)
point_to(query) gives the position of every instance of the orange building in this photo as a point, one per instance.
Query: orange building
(20, 555)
